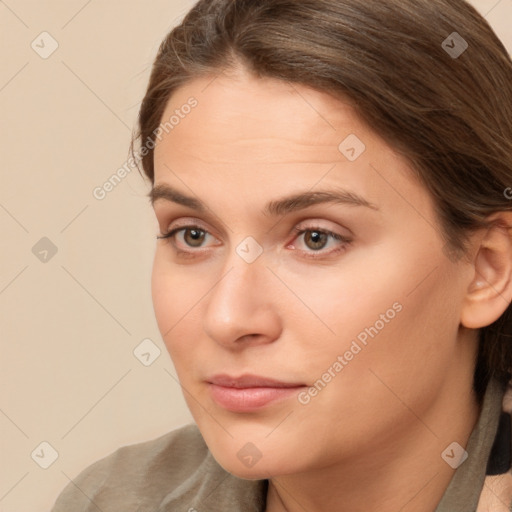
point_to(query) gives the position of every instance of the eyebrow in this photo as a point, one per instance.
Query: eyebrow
(276, 207)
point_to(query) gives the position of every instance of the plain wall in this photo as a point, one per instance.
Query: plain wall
(69, 324)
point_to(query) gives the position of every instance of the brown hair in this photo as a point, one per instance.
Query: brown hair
(449, 115)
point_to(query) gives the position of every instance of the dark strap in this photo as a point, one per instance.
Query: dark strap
(500, 459)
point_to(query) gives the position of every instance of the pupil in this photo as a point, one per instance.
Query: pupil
(318, 239)
(196, 235)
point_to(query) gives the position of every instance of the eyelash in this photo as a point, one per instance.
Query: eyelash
(168, 237)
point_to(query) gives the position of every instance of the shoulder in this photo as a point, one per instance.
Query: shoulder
(139, 473)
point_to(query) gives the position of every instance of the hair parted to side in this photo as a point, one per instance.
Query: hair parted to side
(450, 118)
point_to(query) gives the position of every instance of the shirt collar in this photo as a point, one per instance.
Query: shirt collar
(490, 431)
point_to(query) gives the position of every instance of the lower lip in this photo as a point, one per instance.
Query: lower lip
(249, 399)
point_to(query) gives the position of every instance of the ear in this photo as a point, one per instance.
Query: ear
(490, 292)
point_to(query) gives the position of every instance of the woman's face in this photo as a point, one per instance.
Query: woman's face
(360, 326)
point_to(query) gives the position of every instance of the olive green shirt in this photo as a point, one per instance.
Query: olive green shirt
(176, 472)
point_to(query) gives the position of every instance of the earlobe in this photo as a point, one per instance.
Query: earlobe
(490, 291)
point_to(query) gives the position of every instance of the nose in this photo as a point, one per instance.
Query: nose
(242, 308)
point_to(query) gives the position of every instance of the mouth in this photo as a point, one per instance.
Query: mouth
(249, 393)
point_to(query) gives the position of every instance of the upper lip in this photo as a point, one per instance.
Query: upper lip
(250, 381)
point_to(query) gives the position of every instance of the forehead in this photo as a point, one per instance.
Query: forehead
(265, 135)
(265, 119)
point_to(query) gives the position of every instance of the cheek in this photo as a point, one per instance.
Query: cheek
(394, 312)
(161, 292)
(174, 301)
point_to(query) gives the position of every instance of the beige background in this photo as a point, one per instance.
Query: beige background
(69, 325)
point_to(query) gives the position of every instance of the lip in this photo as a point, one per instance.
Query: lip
(249, 393)
(250, 381)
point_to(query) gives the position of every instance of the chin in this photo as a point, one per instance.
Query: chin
(259, 471)
(246, 460)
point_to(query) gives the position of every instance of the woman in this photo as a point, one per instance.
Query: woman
(333, 276)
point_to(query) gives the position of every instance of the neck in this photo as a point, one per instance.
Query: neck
(406, 473)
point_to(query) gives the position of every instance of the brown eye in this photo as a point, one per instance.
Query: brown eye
(314, 241)
(190, 236)
(317, 239)
(196, 237)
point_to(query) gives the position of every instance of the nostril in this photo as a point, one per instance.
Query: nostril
(251, 336)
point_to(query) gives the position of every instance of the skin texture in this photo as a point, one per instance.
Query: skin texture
(372, 438)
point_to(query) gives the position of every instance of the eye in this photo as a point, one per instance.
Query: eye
(193, 236)
(317, 239)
